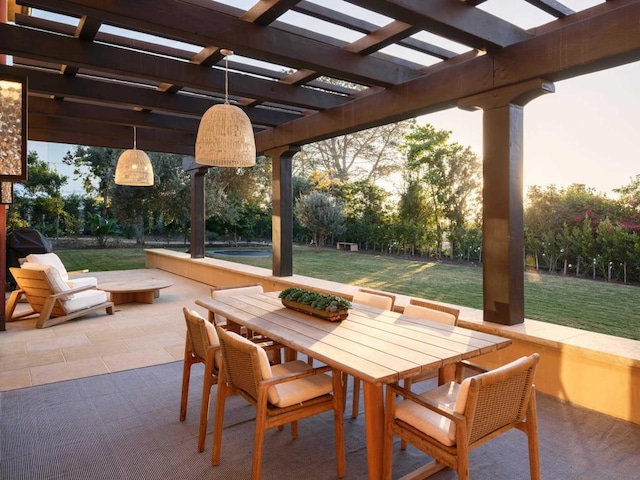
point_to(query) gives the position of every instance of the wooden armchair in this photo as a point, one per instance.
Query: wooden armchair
(281, 394)
(453, 419)
(51, 297)
(201, 346)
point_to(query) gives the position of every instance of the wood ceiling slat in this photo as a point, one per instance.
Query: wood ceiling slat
(362, 26)
(139, 65)
(382, 37)
(456, 21)
(202, 25)
(552, 7)
(267, 11)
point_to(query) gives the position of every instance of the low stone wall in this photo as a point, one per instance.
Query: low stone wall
(596, 371)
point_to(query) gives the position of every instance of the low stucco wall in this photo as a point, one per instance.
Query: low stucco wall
(596, 371)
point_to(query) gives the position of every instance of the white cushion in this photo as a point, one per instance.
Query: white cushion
(58, 285)
(82, 282)
(85, 299)
(379, 301)
(430, 314)
(450, 396)
(50, 259)
(300, 390)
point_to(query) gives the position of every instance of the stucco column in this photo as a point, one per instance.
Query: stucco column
(503, 225)
(282, 216)
(197, 173)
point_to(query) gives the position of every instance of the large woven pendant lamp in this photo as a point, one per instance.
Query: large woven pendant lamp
(134, 167)
(225, 136)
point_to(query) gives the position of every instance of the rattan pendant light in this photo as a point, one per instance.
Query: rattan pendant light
(225, 136)
(134, 167)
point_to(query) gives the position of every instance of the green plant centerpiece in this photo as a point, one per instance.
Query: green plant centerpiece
(322, 305)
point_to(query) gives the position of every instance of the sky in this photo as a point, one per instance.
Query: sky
(582, 133)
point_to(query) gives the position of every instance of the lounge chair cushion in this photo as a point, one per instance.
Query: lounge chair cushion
(54, 261)
(58, 285)
(430, 314)
(450, 396)
(296, 391)
(85, 299)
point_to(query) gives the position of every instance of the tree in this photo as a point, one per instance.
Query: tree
(321, 214)
(365, 155)
(39, 200)
(450, 173)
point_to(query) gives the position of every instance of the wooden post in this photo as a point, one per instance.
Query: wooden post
(503, 225)
(197, 173)
(3, 210)
(282, 216)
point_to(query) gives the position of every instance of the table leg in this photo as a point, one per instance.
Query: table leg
(447, 374)
(374, 428)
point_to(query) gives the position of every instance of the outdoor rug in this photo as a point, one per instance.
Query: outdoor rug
(125, 426)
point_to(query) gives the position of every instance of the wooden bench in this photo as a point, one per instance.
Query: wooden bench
(353, 247)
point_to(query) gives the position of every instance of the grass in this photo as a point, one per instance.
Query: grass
(602, 307)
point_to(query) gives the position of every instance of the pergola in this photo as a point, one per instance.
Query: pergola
(90, 84)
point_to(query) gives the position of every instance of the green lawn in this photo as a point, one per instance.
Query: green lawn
(613, 309)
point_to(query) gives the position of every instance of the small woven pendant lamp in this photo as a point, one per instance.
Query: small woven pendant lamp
(225, 136)
(134, 167)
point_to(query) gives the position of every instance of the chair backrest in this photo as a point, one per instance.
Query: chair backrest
(50, 259)
(426, 313)
(384, 301)
(500, 397)
(200, 332)
(435, 306)
(245, 363)
(217, 292)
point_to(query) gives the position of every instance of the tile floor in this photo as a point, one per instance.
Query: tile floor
(136, 335)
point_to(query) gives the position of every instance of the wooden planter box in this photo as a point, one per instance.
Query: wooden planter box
(309, 310)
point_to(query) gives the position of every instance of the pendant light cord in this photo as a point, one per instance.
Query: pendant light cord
(135, 137)
(226, 79)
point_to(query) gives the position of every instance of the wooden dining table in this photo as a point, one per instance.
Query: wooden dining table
(377, 346)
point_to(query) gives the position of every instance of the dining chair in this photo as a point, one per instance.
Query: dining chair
(451, 420)
(281, 394)
(201, 346)
(372, 298)
(230, 291)
(435, 313)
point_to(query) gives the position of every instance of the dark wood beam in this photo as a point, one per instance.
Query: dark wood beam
(456, 21)
(82, 132)
(55, 48)
(562, 51)
(86, 30)
(203, 23)
(117, 116)
(110, 92)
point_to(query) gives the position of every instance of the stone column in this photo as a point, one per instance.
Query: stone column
(503, 228)
(282, 216)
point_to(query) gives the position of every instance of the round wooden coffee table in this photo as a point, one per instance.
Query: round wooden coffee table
(140, 291)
